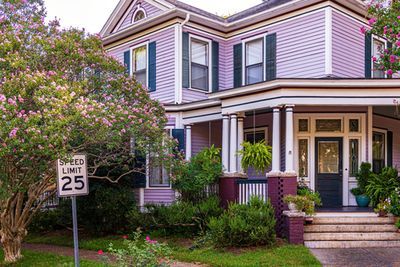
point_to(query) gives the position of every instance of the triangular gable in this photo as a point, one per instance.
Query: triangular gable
(125, 10)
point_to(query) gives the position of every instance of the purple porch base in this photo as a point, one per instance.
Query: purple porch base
(294, 227)
(228, 189)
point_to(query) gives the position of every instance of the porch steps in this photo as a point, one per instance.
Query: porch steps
(351, 230)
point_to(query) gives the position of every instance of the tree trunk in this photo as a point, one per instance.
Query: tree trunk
(12, 243)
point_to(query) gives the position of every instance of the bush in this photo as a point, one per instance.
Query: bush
(244, 225)
(178, 218)
(381, 186)
(47, 221)
(363, 176)
(190, 179)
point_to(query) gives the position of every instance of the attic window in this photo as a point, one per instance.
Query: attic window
(139, 15)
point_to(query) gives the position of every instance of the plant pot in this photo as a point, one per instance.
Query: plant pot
(362, 200)
(382, 213)
(292, 207)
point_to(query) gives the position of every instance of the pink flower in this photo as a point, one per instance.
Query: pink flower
(363, 30)
(125, 237)
(398, 17)
(372, 21)
(389, 72)
(393, 58)
(374, 59)
(100, 252)
(13, 133)
(398, 43)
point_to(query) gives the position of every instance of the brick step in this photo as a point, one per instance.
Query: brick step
(388, 236)
(354, 220)
(352, 244)
(334, 228)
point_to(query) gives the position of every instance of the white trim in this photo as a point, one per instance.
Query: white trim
(244, 42)
(209, 42)
(118, 26)
(178, 63)
(385, 43)
(370, 115)
(147, 60)
(138, 9)
(328, 41)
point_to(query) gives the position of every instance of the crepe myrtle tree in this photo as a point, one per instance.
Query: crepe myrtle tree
(384, 21)
(61, 94)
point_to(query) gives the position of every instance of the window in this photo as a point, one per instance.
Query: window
(378, 151)
(256, 135)
(303, 125)
(199, 64)
(378, 47)
(158, 174)
(353, 157)
(303, 158)
(139, 64)
(254, 61)
(139, 15)
(328, 125)
(354, 125)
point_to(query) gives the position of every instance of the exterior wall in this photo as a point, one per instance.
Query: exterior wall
(347, 47)
(159, 196)
(203, 136)
(394, 126)
(165, 44)
(149, 9)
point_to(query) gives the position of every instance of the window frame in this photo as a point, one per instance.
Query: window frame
(131, 72)
(139, 9)
(244, 42)
(384, 132)
(256, 129)
(209, 44)
(384, 41)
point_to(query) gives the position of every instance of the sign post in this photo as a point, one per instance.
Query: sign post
(72, 181)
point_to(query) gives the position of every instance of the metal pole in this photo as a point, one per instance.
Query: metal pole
(75, 225)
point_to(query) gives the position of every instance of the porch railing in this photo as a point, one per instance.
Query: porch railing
(251, 187)
(51, 202)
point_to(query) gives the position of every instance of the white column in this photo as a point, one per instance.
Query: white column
(289, 168)
(370, 133)
(276, 141)
(188, 145)
(239, 143)
(225, 142)
(233, 145)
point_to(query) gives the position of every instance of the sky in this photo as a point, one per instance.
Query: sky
(92, 14)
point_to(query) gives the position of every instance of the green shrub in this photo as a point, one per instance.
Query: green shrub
(244, 225)
(363, 176)
(257, 155)
(381, 186)
(310, 194)
(47, 221)
(191, 178)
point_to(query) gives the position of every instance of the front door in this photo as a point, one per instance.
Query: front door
(328, 169)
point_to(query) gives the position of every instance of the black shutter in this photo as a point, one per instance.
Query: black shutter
(127, 61)
(270, 57)
(215, 66)
(152, 66)
(179, 134)
(237, 65)
(185, 60)
(139, 179)
(368, 56)
(389, 149)
(390, 47)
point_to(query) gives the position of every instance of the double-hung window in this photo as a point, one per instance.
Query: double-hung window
(158, 174)
(378, 151)
(199, 64)
(139, 64)
(378, 47)
(254, 68)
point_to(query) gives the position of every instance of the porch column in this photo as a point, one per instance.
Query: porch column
(188, 144)
(239, 142)
(289, 168)
(225, 142)
(276, 141)
(233, 144)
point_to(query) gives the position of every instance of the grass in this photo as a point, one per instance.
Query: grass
(39, 259)
(283, 255)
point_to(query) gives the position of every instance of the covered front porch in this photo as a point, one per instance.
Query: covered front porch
(322, 141)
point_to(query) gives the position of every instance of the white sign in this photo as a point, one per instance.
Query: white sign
(72, 177)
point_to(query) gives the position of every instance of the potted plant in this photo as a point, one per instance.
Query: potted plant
(363, 176)
(304, 190)
(256, 155)
(382, 186)
(383, 208)
(301, 203)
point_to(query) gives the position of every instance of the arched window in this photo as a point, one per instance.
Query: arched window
(139, 15)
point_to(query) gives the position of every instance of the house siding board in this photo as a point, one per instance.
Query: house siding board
(347, 47)
(165, 74)
(150, 12)
(202, 137)
(394, 126)
(159, 196)
(300, 49)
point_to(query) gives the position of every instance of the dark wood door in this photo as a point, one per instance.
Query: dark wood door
(329, 170)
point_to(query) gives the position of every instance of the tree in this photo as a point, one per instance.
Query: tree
(61, 94)
(384, 21)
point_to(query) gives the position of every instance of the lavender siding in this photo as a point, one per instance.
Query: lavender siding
(348, 47)
(394, 126)
(150, 12)
(159, 196)
(300, 48)
(165, 92)
(203, 136)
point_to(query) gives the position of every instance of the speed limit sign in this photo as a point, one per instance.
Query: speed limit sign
(72, 177)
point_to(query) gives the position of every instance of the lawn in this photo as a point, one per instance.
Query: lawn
(283, 255)
(46, 259)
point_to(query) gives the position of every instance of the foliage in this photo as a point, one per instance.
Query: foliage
(381, 186)
(256, 155)
(383, 207)
(384, 21)
(139, 253)
(395, 203)
(191, 178)
(398, 224)
(304, 190)
(363, 176)
(244, 225)
(61, 94)
(304, 203)
(47, 220)
(180, 217)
